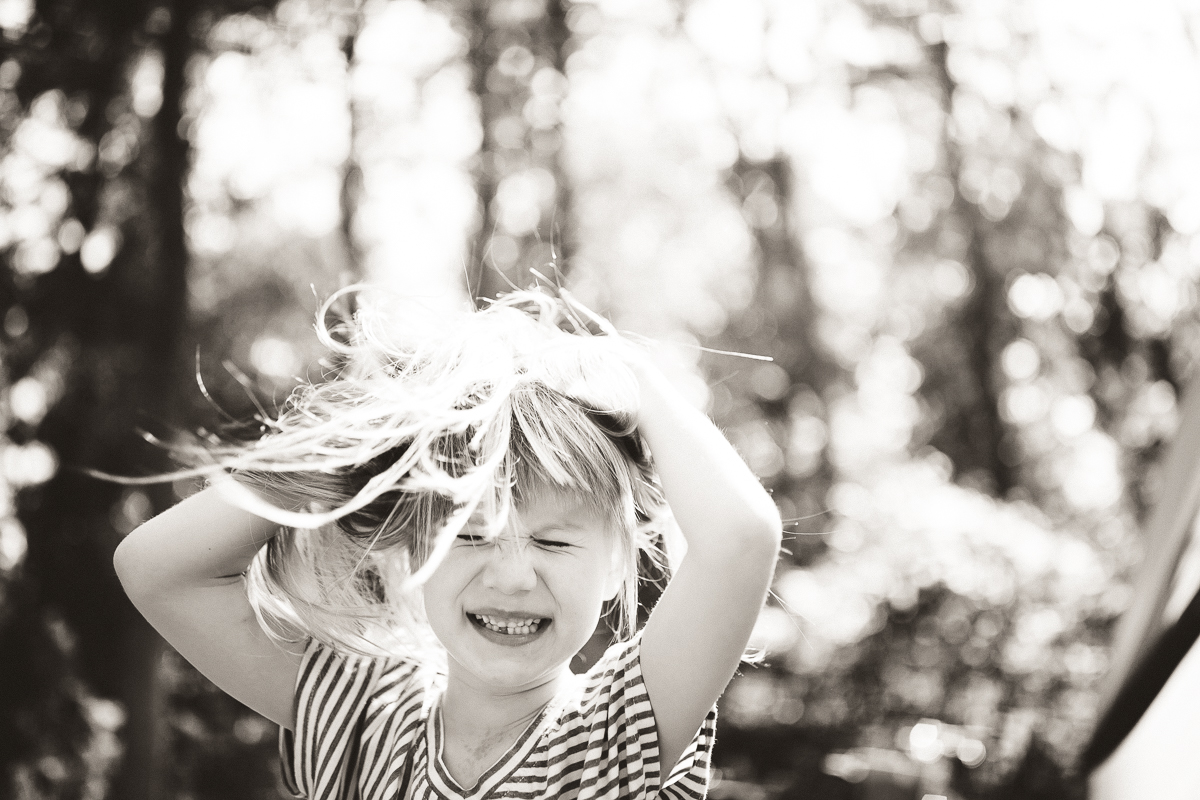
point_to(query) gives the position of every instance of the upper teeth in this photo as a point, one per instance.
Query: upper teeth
(518, 626)
(507, 623)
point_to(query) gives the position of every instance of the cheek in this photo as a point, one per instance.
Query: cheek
(587, 582)
(443, 586)
(433, 602)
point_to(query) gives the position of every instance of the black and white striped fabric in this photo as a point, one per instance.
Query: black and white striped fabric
(369, 729)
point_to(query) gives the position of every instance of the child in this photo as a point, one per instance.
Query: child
(489, 483)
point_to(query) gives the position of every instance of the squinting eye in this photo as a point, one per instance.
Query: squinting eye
(471, 538)
(552, 544)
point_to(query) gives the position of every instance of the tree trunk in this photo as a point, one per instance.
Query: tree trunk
(984, 429)
(505, 55)
(143, 770)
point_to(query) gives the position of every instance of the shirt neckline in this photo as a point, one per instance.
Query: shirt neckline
(495, 775)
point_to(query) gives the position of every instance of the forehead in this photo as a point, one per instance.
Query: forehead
(554, 506)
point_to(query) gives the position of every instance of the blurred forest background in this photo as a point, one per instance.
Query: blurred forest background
(967, 231)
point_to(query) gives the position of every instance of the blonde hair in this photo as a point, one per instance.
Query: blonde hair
(374, 472)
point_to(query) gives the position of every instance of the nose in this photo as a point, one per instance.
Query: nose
(509, 569)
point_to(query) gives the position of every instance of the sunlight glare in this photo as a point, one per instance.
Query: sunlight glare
(730, 31)
(1089, 472)
(856, 159)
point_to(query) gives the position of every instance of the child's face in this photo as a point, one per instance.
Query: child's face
(512, 612)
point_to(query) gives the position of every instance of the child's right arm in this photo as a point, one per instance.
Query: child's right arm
(183, 570)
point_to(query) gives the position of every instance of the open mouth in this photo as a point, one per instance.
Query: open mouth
(509, 626)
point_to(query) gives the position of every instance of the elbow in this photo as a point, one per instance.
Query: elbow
(765, 533)
(759, 546)
(124, 564)
(132, 570)
(121, 559)
(761, 520)
(758, 535)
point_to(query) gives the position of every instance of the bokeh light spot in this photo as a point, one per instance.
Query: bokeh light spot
(1020, 360)
(28, 400)
(274, 357)
(99, 248)
(1035, 296)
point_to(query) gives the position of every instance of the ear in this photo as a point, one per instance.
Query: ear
(614, 579)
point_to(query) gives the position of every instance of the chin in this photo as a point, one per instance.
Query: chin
(519, 667)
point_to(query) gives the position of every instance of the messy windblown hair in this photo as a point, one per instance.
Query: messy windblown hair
(374, 472)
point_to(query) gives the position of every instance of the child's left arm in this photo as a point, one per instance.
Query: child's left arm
(697, 633)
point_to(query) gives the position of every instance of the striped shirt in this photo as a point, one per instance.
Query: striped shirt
(370, 729)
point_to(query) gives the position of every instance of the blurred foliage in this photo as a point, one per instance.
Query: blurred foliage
(966, 234)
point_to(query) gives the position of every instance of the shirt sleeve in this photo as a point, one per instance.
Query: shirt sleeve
(617, 693)
(339, 699)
